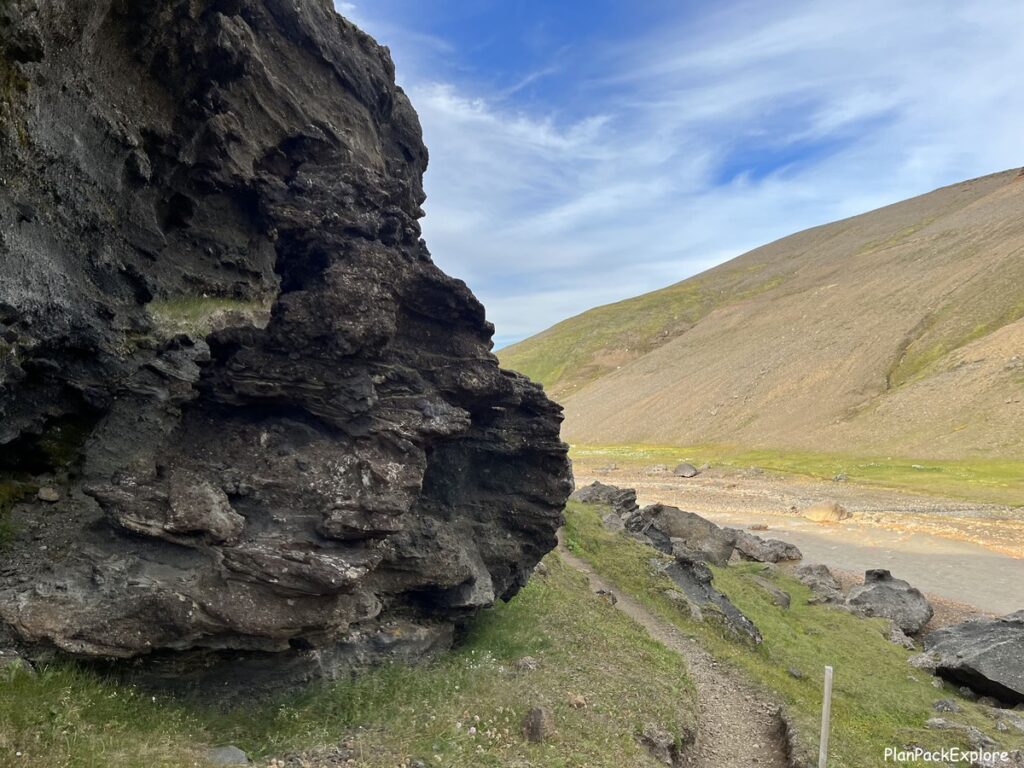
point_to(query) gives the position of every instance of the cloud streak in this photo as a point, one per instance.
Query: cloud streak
(686, 143)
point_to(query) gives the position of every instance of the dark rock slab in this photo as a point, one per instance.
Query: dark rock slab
(754, 548)
(987, 655)
(669, 529)
(883, 596)
(694, 579)
(621, 500)
(282, 445)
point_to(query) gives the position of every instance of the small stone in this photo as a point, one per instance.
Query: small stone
(229, 755)
(795, 673)
(576, 701)
(538, 725)
(946, 705)
(48, 494)
(526, 664)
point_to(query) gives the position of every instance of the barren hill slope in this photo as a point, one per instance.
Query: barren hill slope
(899, 330)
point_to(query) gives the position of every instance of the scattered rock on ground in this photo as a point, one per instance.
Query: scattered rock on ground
(821, 581)
(976, 738)
(613, 523)
(779, 597)
(669, 528)
(526, 664)
(621, 500)
(538, 725)
(987, 655)
(660, 743)
(826, 512)
(751, 547)
(897, 636)
(685, 470)
(229, 755)
(946, 705)
(883, 596)
(48, 494)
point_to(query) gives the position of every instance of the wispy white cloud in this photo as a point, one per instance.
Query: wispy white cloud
(703, 139)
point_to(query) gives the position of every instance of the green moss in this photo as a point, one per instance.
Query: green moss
(880, 700)
(199, 315)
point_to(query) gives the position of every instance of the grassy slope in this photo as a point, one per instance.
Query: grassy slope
(877, 333)
(879, 700)
(67, 717)
(996, 481)
(584, 348)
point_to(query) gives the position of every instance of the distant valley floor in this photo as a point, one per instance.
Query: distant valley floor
(957, 550)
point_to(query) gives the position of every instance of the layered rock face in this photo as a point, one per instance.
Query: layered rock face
(275, 428)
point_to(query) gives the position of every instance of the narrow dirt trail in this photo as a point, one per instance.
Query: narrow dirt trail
(734, 728)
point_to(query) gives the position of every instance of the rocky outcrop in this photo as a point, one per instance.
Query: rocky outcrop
(986, 655)
(621, 500)
(694, 579)
(883, 596)
(674, 531)
(275, 431)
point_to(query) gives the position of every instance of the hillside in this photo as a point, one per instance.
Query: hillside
(899, 330)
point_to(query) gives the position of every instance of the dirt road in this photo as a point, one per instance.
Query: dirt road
(969, 553)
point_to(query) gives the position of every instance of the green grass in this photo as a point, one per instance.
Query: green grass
(581, 349)
(879, 700)
(996, 481)
(69, 717)
(196, 315)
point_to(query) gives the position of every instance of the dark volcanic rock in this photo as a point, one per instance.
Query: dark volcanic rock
(986, 655)
(621, 500)
(672, 530)
(883, 596)
(821, 581)
(694, 578)
(751, 547)
(275, 429)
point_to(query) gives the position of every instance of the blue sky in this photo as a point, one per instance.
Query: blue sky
(586, 151)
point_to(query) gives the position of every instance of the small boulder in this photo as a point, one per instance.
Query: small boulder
(751, 547)
(821, 581)
(779, 597)
(685, 470)
(898, 637)
(538, 725)
(48, 494)
(660, 743)
(883, 596)
(229, 755)
(621, 500)
(826, 512)
(526, 664)
(986, 654)
(613, 522)
(946, 705)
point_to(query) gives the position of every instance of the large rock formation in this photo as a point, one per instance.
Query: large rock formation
(274, 429)
(883, 596)
(987, 655)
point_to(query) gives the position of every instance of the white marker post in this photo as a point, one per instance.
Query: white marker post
(826, 717)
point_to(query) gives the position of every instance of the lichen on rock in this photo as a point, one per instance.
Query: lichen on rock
(331, 480)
